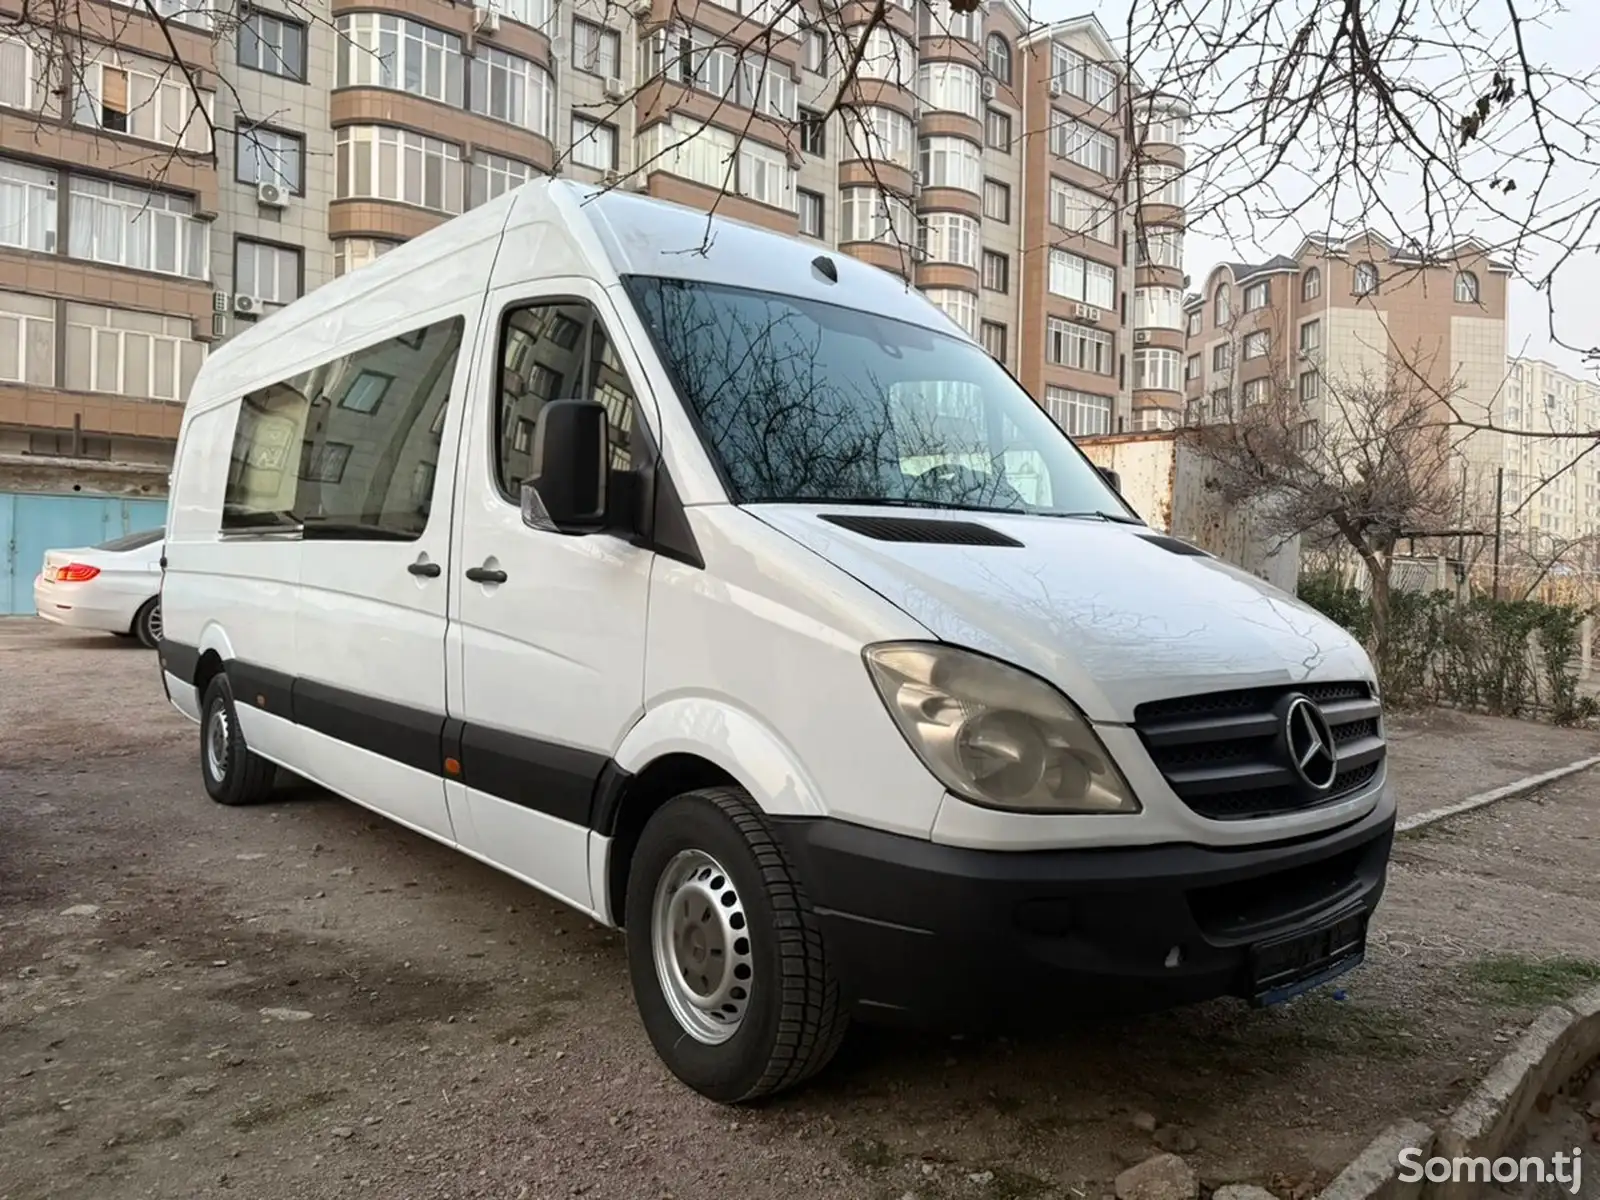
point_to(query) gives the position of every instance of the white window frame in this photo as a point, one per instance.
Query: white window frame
(960, 305)
(1082, 279)
(529, 91)
(996, 189)
(1079, 414)
(954, 238)
(172, 114)
(383, 50)
(600, 139)
(951, 87)
(1156, 369)
(12, 306)
(20, 86)
(1160, 183)
(808, 204)
(113, 378)
(31, 191)
(280, 259)
(951, 162)
(1364, 282)
(264, 155)
(1466, 288)
(765, 176)
(888, 55)
(1158, 308)
(1076, 142)
(877, 134)
(1079, 347)
(869, 215)
(1162, 246)
(352, 143)
(596, 49)
(1257, 295)
(270, 58)
(123, 226)
(1257, 344)
(1083, 77)
(1079, 210)
(350, 254)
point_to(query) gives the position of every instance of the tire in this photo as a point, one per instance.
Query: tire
(147, 623)
(233, 774)
(790, 1020)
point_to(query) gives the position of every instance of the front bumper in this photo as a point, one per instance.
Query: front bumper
(954, 938)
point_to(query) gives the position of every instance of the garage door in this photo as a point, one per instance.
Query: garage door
(30, 524)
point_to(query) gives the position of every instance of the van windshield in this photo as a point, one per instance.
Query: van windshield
(802, 401)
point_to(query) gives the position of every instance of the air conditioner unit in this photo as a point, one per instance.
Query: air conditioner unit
(246, 304)
(1055, 88)
(614, 87)
(485, 20)
(916, 179)
(988, 89)
(220, 302)
(1087, 311)
(272, 195)
(1141, 336)
(219, 323)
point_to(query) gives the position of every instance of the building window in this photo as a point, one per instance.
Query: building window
(141, 355)
(383, 51)
(27, 339)
(1255, 296)
(1222, 307)
(695, 151)
(272, 44)
(815, 47)
(1076, 142)
(134, 227)
(1160, 183)
(1255, 392)
(1466, 288)
(1080, 414)
(942, 21)
(594, 144)
(993, 336)
(1161, 246)
(959, 305)
(269, 156)
(880, 135)
(22, 84)
(869, 215)
(1082, 279)
(1222, 356)
(350, 253)
(596, 50)
(997, 130)
(188, 12)
(811, 213)
(1160, 127)
(269, 273)
(998, 55)
(1083, 77)
(813, 132)
(144, 99)
(1311, 336)
(27, 207)
(997, 201)
(765, 176)
(1157, 308)
(950, 162)
(1310, 386)
(996, 272)
(950, 87)
(493, 175)
(950, 238)
(1366, 279)
(1191, 368)
(1311, 284)
(1256, 344)
(1156, 370)
(345, 470)
(887, 55)
(1221, 406)
(378, 162)
(1081, 211)
(511, 89)
(706, 62)
(1078, 347)
(1197, 320)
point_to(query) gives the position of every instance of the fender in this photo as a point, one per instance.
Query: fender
(732, 739)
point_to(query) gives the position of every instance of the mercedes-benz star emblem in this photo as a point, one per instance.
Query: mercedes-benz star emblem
(1311, 745)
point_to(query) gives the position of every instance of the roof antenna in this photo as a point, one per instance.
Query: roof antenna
(825, 268)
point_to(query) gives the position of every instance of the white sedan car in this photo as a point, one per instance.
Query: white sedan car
(114, 587)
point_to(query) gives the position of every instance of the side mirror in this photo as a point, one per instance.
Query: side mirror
(566, 490)
(1112, 478)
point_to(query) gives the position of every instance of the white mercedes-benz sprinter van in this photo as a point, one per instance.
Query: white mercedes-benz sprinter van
(737, 598)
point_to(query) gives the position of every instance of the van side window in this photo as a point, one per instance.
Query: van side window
(556, 351)
(349, 448)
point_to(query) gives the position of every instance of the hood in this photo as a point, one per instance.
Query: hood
(1114, 615)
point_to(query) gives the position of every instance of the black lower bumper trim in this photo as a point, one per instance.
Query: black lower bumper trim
(954, 938)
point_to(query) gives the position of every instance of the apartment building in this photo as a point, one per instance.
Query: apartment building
(1339, 311)
(1551, 485)
(164, 182)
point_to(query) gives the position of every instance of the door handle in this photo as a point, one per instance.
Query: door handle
(429, 570)
(485, 575)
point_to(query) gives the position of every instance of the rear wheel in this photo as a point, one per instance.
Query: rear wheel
(233, 773)
(147, 623)
(727, 959)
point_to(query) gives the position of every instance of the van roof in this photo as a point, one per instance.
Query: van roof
(604, 233)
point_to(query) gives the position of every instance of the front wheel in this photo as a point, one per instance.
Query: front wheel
(233, 773)
(727, 959)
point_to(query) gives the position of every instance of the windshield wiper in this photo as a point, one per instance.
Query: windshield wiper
(1116, 518)
(889, 502)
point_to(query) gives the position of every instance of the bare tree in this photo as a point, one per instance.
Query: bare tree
(1362, 465)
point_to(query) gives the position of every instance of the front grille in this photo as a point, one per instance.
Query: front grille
(1226, 754)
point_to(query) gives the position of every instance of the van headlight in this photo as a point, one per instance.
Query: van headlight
(996, 735)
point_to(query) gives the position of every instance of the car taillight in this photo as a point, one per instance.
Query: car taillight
(76, 573)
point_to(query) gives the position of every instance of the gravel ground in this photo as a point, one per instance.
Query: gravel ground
(304, 1000)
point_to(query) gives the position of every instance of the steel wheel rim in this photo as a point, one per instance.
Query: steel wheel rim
(217, 738)
(153, 621)
(701, 941)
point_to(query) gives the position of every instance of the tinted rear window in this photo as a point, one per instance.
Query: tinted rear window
(133, 541)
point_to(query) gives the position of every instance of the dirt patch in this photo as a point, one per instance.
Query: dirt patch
(466, 1037)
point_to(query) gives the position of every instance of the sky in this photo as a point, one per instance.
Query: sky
(1564, 42)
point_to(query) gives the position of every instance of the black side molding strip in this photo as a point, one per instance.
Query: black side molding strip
(178, 659)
